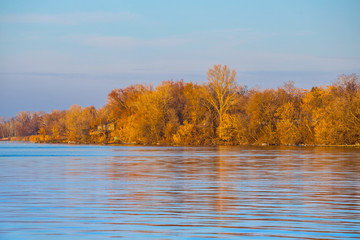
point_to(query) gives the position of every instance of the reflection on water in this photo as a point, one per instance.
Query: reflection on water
(101, 192)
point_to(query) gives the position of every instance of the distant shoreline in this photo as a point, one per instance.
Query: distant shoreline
(218, 113)
(21, 139)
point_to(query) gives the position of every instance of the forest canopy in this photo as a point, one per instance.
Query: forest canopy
(217, 112)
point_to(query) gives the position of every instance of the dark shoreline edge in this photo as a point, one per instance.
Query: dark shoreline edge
(179, 145)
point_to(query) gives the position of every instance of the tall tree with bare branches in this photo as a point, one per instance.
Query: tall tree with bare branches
(221, 92)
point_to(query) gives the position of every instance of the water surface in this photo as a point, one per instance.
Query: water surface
(137, 192)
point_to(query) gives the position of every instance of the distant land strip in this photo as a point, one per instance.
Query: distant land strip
(218, 112)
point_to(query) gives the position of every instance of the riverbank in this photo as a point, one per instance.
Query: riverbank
(26, 139)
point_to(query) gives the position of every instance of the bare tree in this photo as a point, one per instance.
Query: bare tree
(221, 90)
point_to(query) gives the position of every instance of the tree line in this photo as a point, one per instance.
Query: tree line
(218, 112)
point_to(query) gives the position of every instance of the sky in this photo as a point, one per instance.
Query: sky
(57, 53)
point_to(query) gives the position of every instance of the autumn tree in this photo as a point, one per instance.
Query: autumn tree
(159, 113)
(26, 123)
(261, 109)
(290, 122)
(3, 127)
(220, 93)
(313, 106)
(338, 120)
(196, 127)
(55, 121)
(120, 102)
(79, 121)
(43, 137)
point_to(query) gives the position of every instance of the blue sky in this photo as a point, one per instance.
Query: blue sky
(57, 53)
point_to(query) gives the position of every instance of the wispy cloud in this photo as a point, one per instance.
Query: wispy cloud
(68, 18)
(126, 42)
(199, 39)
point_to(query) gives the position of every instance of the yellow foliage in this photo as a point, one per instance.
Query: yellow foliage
(288, 125)
(220, 112)
(220, 93)
(227, 130)
(185, 134)
(55, 133)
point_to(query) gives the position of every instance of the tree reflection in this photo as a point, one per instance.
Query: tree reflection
(239, 186)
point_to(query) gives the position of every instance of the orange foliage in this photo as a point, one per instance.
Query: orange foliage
(219, 112)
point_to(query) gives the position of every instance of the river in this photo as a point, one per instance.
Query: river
(144, 192)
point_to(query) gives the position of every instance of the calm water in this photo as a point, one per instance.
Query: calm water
(106, 192)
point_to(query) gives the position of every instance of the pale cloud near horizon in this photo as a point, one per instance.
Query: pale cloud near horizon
(68, 18)
(126, 42)
(173, 63)
(231, 37)
(197, 51)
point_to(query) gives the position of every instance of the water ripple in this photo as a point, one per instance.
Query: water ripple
(102, 192)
